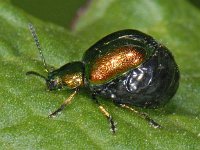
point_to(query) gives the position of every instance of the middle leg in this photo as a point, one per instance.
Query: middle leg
(106, 114)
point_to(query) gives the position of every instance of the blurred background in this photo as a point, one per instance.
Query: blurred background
(66, 29)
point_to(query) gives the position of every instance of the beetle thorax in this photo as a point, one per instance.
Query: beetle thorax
(73, 80)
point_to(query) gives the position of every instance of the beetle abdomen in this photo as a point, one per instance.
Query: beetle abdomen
(115, 54)
(149, 78)
(150, 85)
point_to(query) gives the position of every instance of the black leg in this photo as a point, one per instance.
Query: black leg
(64, 104)
(143, 115)
(106, 114)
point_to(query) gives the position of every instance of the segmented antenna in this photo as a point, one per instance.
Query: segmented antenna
(37, 43)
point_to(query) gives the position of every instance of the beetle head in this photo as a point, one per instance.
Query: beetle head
(69, 75)
(54, 83)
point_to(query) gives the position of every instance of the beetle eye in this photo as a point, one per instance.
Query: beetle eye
(52, 84)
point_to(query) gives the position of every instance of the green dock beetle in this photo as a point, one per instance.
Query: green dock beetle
(127, 67)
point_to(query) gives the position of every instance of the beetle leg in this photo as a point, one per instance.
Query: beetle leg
(64, 104)
(107, 115)
(143, 115)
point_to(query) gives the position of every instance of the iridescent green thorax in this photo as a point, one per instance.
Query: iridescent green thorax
(68, 76)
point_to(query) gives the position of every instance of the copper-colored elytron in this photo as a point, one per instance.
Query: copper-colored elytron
(115, 62)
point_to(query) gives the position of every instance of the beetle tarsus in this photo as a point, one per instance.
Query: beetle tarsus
(150, 120)
(55, 113)
(112, 125)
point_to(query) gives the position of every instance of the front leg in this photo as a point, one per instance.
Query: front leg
(106, 114)
(64, 104)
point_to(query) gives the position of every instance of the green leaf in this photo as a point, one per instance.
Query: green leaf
(25, 103)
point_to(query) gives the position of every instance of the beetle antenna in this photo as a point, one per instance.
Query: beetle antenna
(37, 43)
(36, 74)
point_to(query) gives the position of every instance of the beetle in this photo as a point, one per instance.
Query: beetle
(128, 67)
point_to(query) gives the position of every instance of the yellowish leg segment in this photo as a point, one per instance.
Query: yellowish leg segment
(64, 104)
(143, 115)
(106, 114)
(109, 117)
